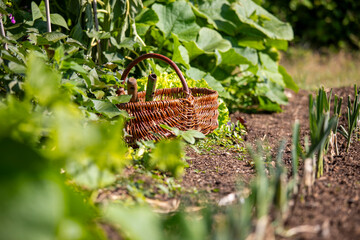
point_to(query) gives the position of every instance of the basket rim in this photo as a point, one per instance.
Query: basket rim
(211, 93)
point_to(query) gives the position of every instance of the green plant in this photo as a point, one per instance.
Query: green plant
(352, 117)
(321, 126)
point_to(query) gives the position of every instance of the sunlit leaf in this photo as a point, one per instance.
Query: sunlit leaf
(106, 108)
(209, 40)
(177, 18)
(258, 18)
(57, 19)
(35, 10)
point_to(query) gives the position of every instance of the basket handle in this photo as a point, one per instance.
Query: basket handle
(164, 59)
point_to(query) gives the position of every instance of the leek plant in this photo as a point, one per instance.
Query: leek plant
(321, 126)
(352, 118)
(337, 113)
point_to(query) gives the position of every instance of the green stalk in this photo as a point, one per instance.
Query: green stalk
(320, 164)
(3, 31)
(98, 46)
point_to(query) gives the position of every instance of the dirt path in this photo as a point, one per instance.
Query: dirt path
(333, 208)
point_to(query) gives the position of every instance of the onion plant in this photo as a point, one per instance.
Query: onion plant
(352, 118)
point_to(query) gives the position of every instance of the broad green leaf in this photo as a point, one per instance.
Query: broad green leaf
(75, 43)
(77, 32)
(57, 19)
(195, 73)
(114, 57)
(252, 42)
(256, 17)
(94, 178)
(196, 134)
(278, 44)
(180, 54)
(147, 17)
(193, 49)
(54, 36)
(167, 156)
(219, 14)
(17, 68)
(216, 85)
(127, 43)
(98, 35)
(274, 77)
(175, 130)
(140, 223)
(232, 57)
(35, 11)
(268, 63)
(106, 108)
(74, 66)
(201, 14)
(209, 40)
(188, 137)
(177, 18)
(289, 82)
(249, 53)
(41, 82)
(119, 99)
(43, 10)
(273, 92)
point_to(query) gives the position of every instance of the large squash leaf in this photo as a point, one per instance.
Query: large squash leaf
(177, 18)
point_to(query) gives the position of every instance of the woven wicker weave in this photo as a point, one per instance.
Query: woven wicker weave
(184, 108)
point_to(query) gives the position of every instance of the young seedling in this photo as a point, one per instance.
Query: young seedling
(352, 118)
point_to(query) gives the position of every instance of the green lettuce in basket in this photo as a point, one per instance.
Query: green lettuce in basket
(171, 80)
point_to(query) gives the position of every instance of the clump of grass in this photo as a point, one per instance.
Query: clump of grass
(352, 117)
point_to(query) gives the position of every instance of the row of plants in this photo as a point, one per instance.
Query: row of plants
(324, 126)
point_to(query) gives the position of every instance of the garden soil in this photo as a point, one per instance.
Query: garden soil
(330, 211)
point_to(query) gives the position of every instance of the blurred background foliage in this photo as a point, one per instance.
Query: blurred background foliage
(320, 23)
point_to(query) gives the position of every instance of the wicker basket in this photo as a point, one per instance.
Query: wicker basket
(184, 108)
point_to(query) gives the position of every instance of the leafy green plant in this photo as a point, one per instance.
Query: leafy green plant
(352, 117)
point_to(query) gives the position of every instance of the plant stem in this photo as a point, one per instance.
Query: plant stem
(3, 31)
(320, 164)
(48, 20)
(98, 47)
